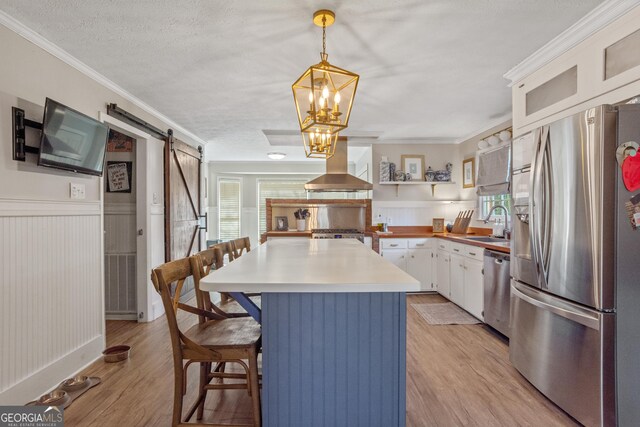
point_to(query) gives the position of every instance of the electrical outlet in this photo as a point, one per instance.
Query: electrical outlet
(77, 191)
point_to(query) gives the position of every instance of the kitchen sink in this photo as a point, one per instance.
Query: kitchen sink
(488, 239)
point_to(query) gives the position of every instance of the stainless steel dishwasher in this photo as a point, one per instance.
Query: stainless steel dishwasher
(497, 293)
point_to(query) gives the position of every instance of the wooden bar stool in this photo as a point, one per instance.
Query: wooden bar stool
(218, 340)
(238, 246)
(201, 264)
(227, 251)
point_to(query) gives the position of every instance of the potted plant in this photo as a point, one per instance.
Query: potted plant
(301, 218)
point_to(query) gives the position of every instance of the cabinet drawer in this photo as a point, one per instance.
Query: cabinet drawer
(474, 252)
(444, 245)
(420, 243)
(393, 243)
(457, 248)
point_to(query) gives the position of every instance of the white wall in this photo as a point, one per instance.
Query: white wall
(249, 173)
(415, 204)
(51, 247)
(436, 156)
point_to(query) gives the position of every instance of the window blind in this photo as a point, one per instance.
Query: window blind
(494, 172)
(277, 190)
(228, 209)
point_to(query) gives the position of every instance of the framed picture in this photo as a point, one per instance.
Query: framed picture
(413, 165)
(119, 177)
(119, 143)
(438, 225)
(469, 173)
(282, 223)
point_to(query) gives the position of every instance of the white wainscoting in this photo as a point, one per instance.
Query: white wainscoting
(52, 309)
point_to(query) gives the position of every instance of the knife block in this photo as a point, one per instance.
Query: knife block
(461, 224)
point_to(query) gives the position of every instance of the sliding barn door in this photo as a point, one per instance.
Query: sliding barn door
(182, 199)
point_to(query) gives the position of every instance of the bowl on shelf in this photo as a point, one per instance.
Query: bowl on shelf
(493, 140)
(505, 135)
(483, 144)
(443, 176)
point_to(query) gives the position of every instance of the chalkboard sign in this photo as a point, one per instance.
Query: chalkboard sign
(119, 176)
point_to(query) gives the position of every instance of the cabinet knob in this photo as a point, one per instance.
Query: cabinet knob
(412, 256)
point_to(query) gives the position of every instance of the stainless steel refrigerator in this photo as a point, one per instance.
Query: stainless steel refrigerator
(575, 290)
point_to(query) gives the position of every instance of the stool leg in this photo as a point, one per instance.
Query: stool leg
(255, 387)
(204, 380)
(177, 396)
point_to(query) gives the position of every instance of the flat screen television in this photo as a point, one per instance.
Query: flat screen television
(71, 140)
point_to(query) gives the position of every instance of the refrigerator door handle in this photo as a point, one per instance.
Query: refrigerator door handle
(575, 316)
(538, 207)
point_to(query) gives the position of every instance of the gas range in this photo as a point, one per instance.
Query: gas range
(337, 233)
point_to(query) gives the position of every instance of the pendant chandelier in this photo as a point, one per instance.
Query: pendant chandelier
(324, 96)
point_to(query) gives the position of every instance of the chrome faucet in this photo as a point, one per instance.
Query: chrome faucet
(507, 230)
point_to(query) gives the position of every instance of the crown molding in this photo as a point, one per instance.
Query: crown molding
(594, 21)
(492, 124)
(37, 39)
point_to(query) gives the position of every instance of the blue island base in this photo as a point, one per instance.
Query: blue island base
(334, 359)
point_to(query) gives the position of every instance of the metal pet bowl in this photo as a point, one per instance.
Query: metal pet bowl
(76, 383)
(116, 353)
(55, 398)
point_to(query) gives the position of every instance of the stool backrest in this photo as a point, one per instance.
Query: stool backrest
(201, 264)
(240, 245)
(164, 278)
(227, 250)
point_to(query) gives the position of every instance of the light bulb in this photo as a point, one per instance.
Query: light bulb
(325, 91)
(310, 97)
(336, 98)
(321, 102)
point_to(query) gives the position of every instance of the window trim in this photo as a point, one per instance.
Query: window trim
(225, 178)
(495, 215)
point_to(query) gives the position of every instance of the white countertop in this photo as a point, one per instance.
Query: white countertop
(310, 265)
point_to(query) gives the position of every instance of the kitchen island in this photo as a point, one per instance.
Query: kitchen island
(334, 331)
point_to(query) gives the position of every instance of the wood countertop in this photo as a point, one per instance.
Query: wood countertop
(426, 232)
(415, 232)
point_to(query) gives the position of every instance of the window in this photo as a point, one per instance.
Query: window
(276, 190)
(487, 202)
(229, 206)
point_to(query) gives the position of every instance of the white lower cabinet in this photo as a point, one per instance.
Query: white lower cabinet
(460, 276)
(457, 279)
(474, 288)
(443, 272)
(414, 256)
(397, 257)
(420, 266)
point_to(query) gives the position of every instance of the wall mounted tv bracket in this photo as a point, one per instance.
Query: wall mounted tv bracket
(20, 148)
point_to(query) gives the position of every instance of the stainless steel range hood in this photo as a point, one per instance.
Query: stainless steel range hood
(337, 177)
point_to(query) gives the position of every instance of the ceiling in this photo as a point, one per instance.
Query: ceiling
(430, 70)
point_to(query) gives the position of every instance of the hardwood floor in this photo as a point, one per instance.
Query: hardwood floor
(461, 375)
(456, 375)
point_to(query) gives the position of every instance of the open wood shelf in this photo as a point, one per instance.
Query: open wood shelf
(432, 183)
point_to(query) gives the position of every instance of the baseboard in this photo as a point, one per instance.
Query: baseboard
(48, 378)
(128, 316)
(157, 310)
